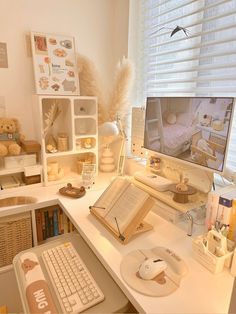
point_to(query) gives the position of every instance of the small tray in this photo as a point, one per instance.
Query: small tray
(181, 196)
(71, 191)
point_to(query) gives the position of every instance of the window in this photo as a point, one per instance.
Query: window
(197, 60)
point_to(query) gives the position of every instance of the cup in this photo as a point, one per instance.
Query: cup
(62, 142)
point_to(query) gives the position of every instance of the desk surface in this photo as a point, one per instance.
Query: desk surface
(200, 290)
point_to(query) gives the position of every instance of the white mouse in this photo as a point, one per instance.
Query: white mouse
(151, 267)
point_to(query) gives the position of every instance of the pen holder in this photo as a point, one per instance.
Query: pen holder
(213, 263)
(62, 142)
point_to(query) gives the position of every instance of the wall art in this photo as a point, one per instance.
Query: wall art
(54, 60)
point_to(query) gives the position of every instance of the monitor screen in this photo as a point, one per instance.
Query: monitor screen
(191, 129)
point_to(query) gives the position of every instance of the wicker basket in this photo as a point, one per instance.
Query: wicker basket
(15, 236)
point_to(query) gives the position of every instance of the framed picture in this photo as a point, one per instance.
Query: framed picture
(54, 60)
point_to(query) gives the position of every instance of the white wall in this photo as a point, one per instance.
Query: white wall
(100, 28)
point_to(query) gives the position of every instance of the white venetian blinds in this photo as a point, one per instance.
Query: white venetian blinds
(200, 64)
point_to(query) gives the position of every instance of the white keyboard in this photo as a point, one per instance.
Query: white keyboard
(74, 285)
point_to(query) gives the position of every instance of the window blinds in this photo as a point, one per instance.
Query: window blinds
(201, 62)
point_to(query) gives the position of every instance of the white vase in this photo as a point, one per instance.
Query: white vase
(107, 161)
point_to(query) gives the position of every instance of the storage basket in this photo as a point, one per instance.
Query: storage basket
(212, 262)
(15, 236)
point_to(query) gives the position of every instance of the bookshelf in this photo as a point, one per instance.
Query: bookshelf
(51, 221)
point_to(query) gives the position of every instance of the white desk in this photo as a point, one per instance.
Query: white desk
(200, 291)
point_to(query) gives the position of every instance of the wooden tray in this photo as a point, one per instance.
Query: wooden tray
(71, 191)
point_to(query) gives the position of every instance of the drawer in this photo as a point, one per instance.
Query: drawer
(20, 161)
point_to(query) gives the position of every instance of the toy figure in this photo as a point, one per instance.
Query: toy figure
(10, 137)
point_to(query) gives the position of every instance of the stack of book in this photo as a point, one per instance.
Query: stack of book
(51, 221)
(221, 211)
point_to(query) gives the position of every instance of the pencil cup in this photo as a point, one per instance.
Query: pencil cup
(62, 142)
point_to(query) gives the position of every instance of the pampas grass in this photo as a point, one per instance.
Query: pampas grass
(119, 99)
(90, 84)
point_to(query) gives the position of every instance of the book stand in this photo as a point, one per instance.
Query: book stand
(136, 226)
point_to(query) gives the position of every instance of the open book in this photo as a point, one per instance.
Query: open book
(122, 207)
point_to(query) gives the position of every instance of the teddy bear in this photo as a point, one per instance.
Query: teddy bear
(10, 137)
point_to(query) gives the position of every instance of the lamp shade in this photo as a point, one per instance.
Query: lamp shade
(108, 129)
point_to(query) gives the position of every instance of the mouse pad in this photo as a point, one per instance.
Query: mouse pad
(162, 285)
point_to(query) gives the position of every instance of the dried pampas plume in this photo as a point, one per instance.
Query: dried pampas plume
(119, 99)
(90, 83)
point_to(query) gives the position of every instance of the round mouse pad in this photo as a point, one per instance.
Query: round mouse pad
(163, 284)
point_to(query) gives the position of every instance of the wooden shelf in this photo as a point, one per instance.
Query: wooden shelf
(4, 171)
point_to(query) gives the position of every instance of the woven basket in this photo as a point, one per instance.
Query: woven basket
(15, 236)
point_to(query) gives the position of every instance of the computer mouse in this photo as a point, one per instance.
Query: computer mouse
(151, 267)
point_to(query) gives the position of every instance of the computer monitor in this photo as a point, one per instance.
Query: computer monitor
(191, 129)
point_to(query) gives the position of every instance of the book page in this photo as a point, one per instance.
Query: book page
(126, 207)
(111, 195)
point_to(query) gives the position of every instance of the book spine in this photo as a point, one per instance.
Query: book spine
(224, 210)
(68, 224)
(60, 222)
(50, 213)
(212, 210)
(65, 225)
(55, 222)
(72, 227)
(232, 223)
(43, 224)
(38, 217)
(47, 224)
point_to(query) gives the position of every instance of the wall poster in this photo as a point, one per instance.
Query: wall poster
(55, 67)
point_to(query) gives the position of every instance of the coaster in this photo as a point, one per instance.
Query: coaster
(71, 191)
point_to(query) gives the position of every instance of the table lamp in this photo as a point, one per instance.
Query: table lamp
(108, 130)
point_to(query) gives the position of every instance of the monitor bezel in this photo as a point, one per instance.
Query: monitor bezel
(189, 163)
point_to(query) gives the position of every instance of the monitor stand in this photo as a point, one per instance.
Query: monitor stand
(199, 179)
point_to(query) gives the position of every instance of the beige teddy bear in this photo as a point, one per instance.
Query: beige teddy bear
(10, 137)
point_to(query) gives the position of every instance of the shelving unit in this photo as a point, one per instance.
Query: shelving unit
(77, 121)
(15, 174)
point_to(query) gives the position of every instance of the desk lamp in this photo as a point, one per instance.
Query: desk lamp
(108, 131)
